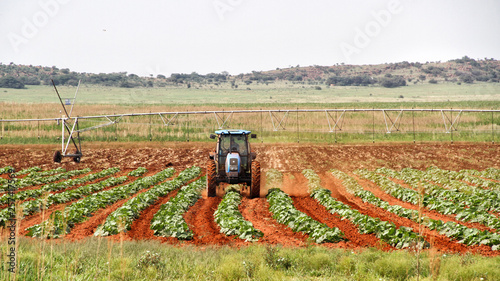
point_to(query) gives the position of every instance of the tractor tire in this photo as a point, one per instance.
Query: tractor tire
(255, 185)
(211, 179)
(57, 157)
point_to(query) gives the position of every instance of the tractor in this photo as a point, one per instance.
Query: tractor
(233, 162)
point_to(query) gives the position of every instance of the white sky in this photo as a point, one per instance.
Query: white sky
(238, 36)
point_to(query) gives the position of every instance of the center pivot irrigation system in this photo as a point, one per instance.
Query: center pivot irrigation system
(70, 129)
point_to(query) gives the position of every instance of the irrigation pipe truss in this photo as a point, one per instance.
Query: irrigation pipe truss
(222, 117)
(278, 119)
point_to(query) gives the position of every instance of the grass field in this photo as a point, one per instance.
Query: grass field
(103, 259)
(275, 94)
(42, 102)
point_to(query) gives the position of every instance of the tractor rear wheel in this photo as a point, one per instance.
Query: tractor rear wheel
(255, 185)
(211, 179)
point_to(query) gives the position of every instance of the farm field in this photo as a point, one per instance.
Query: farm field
(339, 197)
(290, 161)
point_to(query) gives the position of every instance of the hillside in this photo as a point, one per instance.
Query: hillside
(464, 70)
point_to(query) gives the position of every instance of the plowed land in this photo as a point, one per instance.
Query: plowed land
(290, 159)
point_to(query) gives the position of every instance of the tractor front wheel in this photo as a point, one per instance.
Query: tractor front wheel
(255, 185)
(211, 179)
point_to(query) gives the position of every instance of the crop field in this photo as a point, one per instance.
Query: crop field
(441, 196)
(435, 198)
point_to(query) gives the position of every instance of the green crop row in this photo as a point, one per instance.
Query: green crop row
(473, 177)
(38, 180)
(138, 172)
(465, 207)
(168, 221)
(27, 171)
(465, 235)
(489, 199)
(131, 210)
(281, 205)
(448, 178)
(35, 193)
(30, 177)
(34, 206)
(230, 220)
(402, 237)
(61, 222)
(490, 173)
(7, 170)
(46, 173)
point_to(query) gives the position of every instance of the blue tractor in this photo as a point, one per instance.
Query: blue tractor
(233, 162)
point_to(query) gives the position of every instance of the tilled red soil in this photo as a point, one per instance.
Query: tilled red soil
(290, 159)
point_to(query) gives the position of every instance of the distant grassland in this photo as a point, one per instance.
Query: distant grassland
(259, 94)
(42, 102)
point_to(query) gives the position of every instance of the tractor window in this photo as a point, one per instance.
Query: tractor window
(225, 142)
(230, 143)
(240, 143)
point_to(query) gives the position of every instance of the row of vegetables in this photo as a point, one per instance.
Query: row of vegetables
(402, 237)
(61, 222)
(168, 221)
(453, 230)
(465, 207)
(38, 204)
(51, 186)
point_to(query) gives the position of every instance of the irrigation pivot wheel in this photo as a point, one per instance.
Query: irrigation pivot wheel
(57, 156)
(77, 158)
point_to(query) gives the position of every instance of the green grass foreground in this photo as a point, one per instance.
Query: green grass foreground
(101, 259)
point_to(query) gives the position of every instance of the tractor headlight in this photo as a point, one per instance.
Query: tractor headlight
(233, 164)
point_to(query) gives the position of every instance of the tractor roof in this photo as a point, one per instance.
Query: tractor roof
(232, 132)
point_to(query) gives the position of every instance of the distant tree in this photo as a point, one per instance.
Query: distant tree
(127, 84)
(30, 80)
(467, 78)
(393, 82)
(11, 82)
(433, 81)
(161, 76)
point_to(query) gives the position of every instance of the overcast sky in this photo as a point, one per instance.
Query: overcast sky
(239, 36)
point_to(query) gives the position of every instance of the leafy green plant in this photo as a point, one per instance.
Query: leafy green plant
(80, 210)
(281, 205)
(7, 170)
(466, 207)
(168, 221)
(230, 220)
(27, 171)
(402, 237)
(131, 210)
(138, 172)
(461, 233)
(34, 193)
